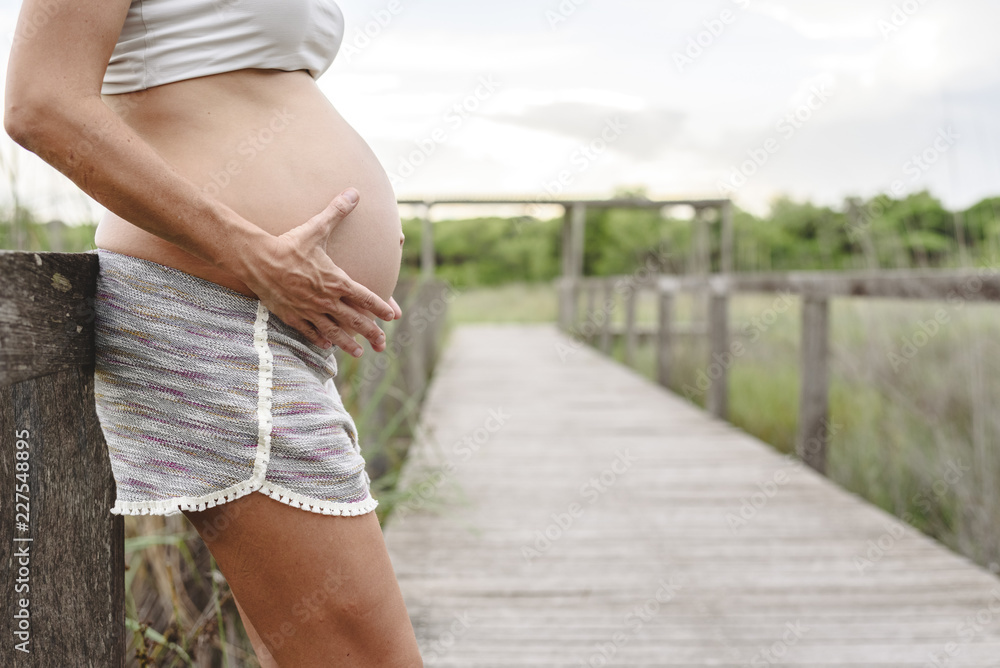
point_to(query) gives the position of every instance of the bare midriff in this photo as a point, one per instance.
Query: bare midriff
(271, 146)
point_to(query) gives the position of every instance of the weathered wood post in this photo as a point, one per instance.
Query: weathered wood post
(812, 435)
(631, 297)
(590, 318)
(719, 358)
(726, 237)
(427, 259)
(63, 550)
(572, 263)
(666, 288)
(607, 312)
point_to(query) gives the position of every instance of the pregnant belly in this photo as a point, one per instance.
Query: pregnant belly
(272, 147)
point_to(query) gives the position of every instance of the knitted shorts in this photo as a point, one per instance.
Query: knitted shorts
(204, 398)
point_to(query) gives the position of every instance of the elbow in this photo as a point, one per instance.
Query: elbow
(23, 121)
(30, 120)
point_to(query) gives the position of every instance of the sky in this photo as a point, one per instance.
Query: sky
(748, 99)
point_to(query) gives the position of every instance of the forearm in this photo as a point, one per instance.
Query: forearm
(100, 153)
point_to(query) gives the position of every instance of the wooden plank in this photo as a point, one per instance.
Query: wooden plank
(46, 313)
(750, 540)
(69, 553)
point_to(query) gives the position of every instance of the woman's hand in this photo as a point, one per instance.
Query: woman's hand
(299, 283)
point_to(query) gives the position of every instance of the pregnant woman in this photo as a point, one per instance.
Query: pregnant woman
(249, 232)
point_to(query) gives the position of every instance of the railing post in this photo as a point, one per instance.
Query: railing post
(608, 308)
(630, 304)
(572, 263)
(58, 536)
(567, 295)
(664, 332)
(814, 394)
(589, 322)
(726, 238)
(719, 356)
(427, 259)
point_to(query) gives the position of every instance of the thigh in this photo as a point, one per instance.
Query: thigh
(320, 590)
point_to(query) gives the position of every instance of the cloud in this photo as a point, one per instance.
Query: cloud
(647, 132)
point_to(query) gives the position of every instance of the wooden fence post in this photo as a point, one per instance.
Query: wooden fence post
(427, 259)
(608, 310)
(630, 336)
(664, 332)
(726, 263)
(719, 355)
(814, 394)
(590, 315)
(63, 543)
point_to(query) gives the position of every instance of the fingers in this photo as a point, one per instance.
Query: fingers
(339, 208)
(395, 307)
(325, 333)
(362, 298)
(317, 229)
(342, 316)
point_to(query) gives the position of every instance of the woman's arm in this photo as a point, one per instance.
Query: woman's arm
(53, 108)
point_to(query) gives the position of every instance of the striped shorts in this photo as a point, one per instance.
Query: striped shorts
(204, 398)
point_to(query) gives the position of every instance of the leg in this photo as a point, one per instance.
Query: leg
(318, 589)
(263, 654)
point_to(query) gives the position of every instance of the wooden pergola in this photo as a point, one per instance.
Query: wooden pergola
(574, 219)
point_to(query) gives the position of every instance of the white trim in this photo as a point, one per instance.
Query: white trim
(316, 505)
(265, 367)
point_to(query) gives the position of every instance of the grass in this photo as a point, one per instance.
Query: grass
(514, 302)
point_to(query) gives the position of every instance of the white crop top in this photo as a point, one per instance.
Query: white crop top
(170, 40)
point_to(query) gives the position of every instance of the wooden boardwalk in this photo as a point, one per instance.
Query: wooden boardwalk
(571, 513)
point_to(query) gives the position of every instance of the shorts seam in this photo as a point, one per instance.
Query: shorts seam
(265, 369)
(257, 481)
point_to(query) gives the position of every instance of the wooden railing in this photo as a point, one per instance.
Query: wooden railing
(62, 549)
(602, 297)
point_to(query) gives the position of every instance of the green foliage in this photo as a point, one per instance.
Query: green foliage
(880, 232)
